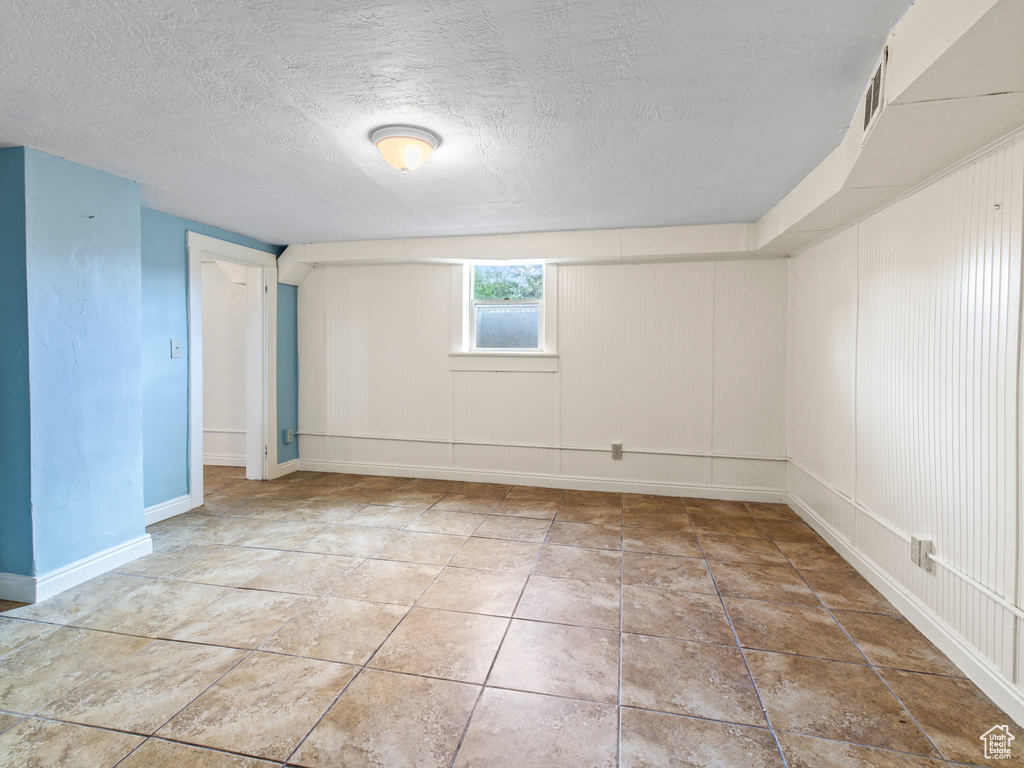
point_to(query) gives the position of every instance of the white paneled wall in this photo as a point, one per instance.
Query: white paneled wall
(224, 308)
(903, 368)
(683, 363)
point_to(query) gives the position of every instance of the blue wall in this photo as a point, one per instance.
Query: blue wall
(287, 370)
(15, 476)
(164, 317)
(85, 389)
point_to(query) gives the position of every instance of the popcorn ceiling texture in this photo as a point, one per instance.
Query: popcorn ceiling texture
(254, 115)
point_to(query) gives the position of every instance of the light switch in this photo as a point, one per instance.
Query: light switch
(175, 347)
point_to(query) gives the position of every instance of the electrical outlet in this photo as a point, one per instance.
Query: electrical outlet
(617, 451)
(289, 436)
(176, 348)
(919, 551)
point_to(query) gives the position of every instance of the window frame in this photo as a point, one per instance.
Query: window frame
(465, 356)
(475, 302)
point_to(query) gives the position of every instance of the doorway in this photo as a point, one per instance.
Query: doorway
(243, 276)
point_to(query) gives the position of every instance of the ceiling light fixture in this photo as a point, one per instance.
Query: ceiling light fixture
(403, 146)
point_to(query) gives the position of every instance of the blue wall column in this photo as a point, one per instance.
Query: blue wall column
(80, 270)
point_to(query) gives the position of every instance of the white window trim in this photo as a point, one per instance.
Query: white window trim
(464, 358)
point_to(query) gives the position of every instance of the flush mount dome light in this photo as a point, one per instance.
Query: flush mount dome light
(403, 146)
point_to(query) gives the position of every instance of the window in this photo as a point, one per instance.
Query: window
(507, 311)
(503, 317)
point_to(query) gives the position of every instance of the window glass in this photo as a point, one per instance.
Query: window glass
(511, 326)
(514, 282)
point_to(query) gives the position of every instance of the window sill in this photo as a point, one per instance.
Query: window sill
(535, 362)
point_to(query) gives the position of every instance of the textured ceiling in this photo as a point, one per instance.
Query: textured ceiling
(253, 115)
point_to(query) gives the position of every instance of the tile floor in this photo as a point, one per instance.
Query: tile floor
(341, 620)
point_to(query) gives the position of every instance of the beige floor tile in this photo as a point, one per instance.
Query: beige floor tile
(386, 581)
(848, 703)
(365, 728)
(570, 601)
(681, 574)
(803, 630)
(563, 660)
(9, 605)
(152, 609)
(451, 523)
(534, 493)
(497, 555)
(513, 528)
(891, 641)
(596, 498)
(716, 507)
(157, 753)
(226, 566)
(415, 547)
(665, 520)
(657, 740)
(954, 713)
(591, 515)
(791, 530)
(474, 591)
(810, 752)
(741, 549)
(304, 573)
(813, 556)
(141, 692)
(36, 674)
(495, 491)
(336, 629)
(281, 534)
(410, 499)
(263, 707)
(848, 591)
(45, 744)
(454, 646)
(768, 511)
(267, 509)
(243, 618)
(429, 485)
(579, 563)
(349, 541)
(375, 516)
(679, 615)
(660, 542)
(543, 510)
(324, 512)
(511, 729)
(218, 503)
(686, 678)
(225, 530)
(762, 582)
(165, 560)
(585, 535)
(350, 495)
(641, 502)
(457, 502)
(15, 633)
(82, 600)
(9, 721)
(726, 525)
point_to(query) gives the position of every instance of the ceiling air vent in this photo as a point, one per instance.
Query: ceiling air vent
(873, 98)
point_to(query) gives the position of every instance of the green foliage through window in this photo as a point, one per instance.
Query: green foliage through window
(523, 281)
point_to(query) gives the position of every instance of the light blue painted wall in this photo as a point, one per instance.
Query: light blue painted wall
(15, 475)
(85, 342)
(164, 317)
(287, 370)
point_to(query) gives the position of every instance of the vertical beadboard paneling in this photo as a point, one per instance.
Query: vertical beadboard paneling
(509, 408)
(749, 369)
(312, 356)
(635, 342)
(936, 382)
(822, 358)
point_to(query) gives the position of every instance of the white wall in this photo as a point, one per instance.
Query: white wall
(224, 310)
(683, 363)
(904, 340)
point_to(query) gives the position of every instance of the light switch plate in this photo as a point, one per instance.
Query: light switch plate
(175, 347)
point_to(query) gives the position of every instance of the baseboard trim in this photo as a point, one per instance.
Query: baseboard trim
(29, 589)
(550, 481)
(211, 460)
(283, 469)
(965, 656)
(166, 509)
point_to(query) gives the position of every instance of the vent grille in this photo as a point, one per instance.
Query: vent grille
(873, 98)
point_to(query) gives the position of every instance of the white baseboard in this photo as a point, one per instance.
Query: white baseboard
(550, 481)
(974, 665)
(210, 460)
(32, 589)
(164, 510)
(283, 469)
